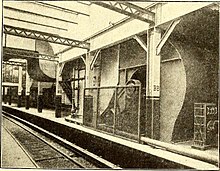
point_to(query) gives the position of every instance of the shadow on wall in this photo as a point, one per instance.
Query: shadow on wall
(191, 79)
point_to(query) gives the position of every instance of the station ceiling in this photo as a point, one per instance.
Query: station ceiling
(73, 20)
(69, 19)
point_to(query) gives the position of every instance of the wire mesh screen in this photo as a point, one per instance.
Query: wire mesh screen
(113, 109)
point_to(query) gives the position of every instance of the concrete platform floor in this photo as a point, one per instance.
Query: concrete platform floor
(12, 154)
(47, 113)
(50, 114)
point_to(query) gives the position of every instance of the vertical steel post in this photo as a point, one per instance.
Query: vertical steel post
(12, 74)
(19, 85)
(78, 85)
(97, 109)
(83, 104)
(9, 95)
(58, 96)
(126, 76)
(115, 111)
(3, 94)
(73, 89)
(5, 40)
(27, 90)
(139, 113)
(40, 97)
(4, 73)
(153, 85)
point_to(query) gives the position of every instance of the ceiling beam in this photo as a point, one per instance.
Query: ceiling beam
(9, 53)
(13, 63)
(48, 37)
(140, 9)
(60, 8)
(39, 15)
(35, 23)
(107, 29)
(128, 9)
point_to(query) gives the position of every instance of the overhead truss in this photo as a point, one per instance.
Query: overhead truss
(14, 63)
(48, 37)
(25, 54)
(129, 9)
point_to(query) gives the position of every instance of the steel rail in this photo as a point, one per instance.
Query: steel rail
(98, 160)
(45, 141)
(22, 148)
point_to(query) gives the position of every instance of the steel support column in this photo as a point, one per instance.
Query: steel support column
(40, 102)
(27, 90)
(153, 85)
(3, 94)
(19, 85)
(9, 95)
(58, 96)
(89, 73)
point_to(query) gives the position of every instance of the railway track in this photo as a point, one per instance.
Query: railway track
(49, 151)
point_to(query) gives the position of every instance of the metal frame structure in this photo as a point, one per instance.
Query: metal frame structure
(35, 23)
(39, 15)
(129, 9)
(115, 131)
(111, 27)
(48, 37)
(94, 59)
(21, 53)
(60, 8)
(23, 64)
(166, 35)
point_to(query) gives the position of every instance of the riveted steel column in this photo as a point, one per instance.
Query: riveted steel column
(3, 94)
(40, 102)
(19, 85)
(153, 85)
(9, 95)
(153, 78)
(27, 90)
(58, 96)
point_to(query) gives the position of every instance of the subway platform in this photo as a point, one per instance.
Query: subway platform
(127, 153)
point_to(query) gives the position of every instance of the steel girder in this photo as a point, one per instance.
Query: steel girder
(48, 37)
(129, 9)
(25, 54)
(14, 63)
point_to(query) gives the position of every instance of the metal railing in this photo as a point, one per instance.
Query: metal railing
(114, 109)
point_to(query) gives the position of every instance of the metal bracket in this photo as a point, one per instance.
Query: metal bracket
(141, 42)
(166, 35)
(94, 59)
(83, 59)
(61, 68)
